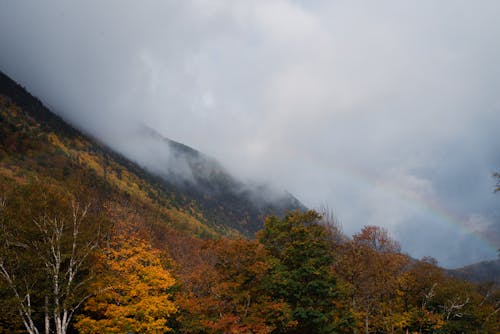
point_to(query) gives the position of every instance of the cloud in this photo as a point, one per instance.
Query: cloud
(368, 108)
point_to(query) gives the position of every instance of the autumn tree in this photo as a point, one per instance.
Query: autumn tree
(435, 302)
(420, 289)
(244, 305)
(47, 240)
(222, 288)
(132, 290)
(489, 306)
(300, 250)
(372, 266)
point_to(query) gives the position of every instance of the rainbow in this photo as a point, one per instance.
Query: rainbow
(429, 205)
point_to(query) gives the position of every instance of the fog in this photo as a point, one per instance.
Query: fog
(387, 112)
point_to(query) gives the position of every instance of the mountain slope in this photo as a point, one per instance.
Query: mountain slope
(219, 195)
(482, 272)
(192, 191)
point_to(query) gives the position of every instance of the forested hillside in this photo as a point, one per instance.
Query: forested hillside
(220, 196)
(92, 243)
(215, 198)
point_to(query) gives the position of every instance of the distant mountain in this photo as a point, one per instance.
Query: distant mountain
(482, 272)
(192, 187)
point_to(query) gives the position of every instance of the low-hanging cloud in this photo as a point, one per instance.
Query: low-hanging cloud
(388, 111)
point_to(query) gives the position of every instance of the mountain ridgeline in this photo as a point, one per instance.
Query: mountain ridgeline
(190, 183)
(482, 272)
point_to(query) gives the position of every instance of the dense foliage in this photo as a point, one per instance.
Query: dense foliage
(300, 248)
(297, 277)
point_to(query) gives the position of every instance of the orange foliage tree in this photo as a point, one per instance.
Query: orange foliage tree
(226, 291)
(245, 305)
(372, 266)
(133, 291)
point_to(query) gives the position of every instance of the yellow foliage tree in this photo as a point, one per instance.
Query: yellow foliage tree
(132, 291)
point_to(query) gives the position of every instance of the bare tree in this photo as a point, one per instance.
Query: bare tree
(62, 251)
(453, 308)
(330, 221)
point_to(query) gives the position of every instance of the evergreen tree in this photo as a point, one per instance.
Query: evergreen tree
(300, 248)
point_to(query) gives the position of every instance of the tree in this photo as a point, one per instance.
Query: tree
(223, 289)
(497, 176)
(372, 266)
(420, 293)
(244, 305)
(132, 292)
(300, 252)
(47, 241)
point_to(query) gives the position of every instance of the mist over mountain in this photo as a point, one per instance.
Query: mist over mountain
(205, 179)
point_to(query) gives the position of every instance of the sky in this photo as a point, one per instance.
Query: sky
(386, 112)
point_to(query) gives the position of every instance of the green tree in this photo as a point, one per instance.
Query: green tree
(300, 250)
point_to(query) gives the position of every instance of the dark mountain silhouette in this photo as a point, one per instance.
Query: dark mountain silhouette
(481, 272)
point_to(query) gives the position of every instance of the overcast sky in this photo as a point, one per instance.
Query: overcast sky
(387, 112)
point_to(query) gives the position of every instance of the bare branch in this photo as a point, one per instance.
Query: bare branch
(453, 308)
(63, 252)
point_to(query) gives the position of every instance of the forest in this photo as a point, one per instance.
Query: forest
(70, 264)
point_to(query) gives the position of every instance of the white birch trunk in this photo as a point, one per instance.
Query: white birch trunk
(52, 231)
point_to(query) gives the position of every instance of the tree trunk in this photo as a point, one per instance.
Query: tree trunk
(47, 319)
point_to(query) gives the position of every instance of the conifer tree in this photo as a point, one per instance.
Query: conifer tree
(300, 248)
